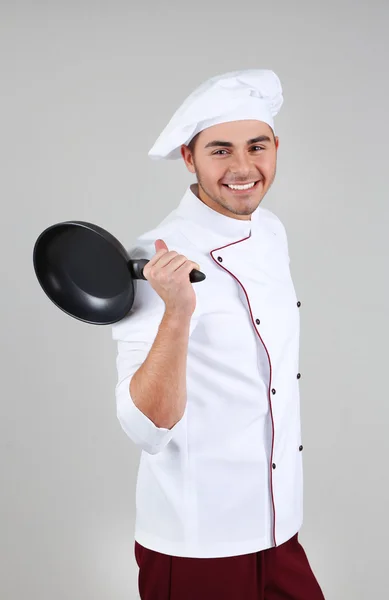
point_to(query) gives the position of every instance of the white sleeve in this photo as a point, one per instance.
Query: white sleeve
(135, 335)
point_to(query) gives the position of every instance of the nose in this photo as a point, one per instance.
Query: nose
(241, 165)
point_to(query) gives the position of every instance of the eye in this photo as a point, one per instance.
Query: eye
(258, 147)
(218, 151)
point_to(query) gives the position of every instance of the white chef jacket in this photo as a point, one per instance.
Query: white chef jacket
(227, 478)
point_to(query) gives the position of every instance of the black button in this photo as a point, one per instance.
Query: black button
(300, 448)
(298, 375)
(257, 321)
(299, 304)
(274, 465)
(273, 391)
(220, 259)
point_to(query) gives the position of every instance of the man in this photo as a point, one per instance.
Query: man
(208, 381)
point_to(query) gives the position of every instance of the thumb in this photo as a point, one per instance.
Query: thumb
(160, 245)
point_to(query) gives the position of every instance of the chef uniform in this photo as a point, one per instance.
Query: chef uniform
(219, 497)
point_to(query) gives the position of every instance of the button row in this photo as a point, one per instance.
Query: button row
(221, 260)
(274, 466)
(275, 391)
(258, 322)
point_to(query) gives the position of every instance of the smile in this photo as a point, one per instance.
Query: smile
(241, 188)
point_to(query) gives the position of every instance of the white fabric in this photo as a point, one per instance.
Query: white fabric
(239, 95)
(204, 487)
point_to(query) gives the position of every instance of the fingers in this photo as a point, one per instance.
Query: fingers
(164, 257)
(185, 268)
(160, 245)
(168, 266)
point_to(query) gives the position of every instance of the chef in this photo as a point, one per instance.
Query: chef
(213, 401)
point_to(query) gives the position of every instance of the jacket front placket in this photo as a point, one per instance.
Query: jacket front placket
(268, 293)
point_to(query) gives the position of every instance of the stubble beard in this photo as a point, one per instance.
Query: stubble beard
(221, 202)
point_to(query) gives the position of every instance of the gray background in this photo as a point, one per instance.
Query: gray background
(85, 90)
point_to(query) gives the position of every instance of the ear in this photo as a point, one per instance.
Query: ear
(188, 158)
(277, 141)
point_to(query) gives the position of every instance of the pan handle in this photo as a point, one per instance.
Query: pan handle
(136, 269)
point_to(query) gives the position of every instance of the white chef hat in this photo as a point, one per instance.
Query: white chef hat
(239, 95)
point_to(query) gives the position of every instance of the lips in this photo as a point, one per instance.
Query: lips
(241, 191)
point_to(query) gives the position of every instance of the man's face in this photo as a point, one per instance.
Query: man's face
(236, 153)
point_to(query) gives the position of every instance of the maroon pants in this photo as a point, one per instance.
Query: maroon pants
(281, 573)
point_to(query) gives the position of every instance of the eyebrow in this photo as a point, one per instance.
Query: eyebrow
(261, 138)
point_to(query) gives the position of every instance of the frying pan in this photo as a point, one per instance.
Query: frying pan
(87, 272)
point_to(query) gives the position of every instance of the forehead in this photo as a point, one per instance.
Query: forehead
(235, 131)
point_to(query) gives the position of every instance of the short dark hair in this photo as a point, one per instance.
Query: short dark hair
(192, 143)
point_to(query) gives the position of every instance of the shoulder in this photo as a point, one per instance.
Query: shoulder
(272, 223)
(172, 232)
(270, 218)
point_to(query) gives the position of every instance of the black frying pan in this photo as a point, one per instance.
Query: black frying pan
(87, 272)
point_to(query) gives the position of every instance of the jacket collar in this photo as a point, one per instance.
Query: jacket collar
(216, 225)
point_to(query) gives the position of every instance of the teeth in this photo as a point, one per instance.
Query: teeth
(242, 187)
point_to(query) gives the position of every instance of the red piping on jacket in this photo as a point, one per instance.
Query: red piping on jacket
(270, 365)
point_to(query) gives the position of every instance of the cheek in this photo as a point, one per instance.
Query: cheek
(213, 172)
(266, 165)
